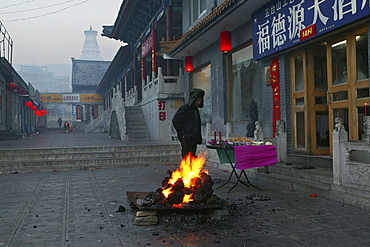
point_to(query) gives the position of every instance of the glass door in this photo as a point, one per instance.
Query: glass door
(309, 101)
(317, 108)
(300, 120)
(348, 81)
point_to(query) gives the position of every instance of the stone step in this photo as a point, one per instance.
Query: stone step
(322, 175)
(58, 168)
(90, 161)
(312, 181)
(134, 115)
(317, 161)
(49, 159)
(137, 134)
(47, 165)
(297, 184)
(87, 155)
(128, 148)
(136, 127)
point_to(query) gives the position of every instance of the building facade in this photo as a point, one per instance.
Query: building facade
(301, 68)
(16, 119)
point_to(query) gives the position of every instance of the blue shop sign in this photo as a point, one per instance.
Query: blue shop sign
(281, 24)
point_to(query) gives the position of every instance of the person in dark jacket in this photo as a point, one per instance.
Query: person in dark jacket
(187, 122)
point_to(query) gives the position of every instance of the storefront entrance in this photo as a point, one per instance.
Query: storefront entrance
(329, 80)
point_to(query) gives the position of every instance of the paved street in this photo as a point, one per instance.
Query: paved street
(79, 208)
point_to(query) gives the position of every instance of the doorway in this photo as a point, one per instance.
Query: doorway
(329, 80)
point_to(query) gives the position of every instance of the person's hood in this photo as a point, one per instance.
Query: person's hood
(196, 93)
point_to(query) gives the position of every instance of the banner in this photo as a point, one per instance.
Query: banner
(275, 84)
(91, 98)
(51, 98)
(78, 112)
(148, 45)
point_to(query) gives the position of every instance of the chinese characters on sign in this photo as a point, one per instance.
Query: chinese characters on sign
(71, 98)
(146, 47)
(161, 109)
(283, 23)
(78, 112)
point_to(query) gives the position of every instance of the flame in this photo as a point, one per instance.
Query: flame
(189, 171)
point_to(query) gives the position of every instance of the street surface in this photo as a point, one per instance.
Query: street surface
(79, 208)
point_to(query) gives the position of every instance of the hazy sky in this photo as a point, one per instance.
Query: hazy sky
(52, 31)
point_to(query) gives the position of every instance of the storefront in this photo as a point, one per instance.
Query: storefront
(72, 107)
(326, 45)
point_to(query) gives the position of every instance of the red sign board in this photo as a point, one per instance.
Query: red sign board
(308, 32)
(147, 45)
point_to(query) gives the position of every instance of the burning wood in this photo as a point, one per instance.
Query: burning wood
(188, 184)
(187, 187)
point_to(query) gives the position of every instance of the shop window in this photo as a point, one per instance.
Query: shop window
(339, 96)
(321, 100)
(299, 101)
(299, 78)
(363, 93)
(320, 74)
(362, 62)
(198, 7)
(201, 78)
(361, 121)
(322, 131)
(301, 130)
(245, 86)
(339, 62)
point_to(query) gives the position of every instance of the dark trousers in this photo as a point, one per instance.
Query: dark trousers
(188, 145)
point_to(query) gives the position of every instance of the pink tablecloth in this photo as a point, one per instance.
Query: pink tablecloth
(254, 156)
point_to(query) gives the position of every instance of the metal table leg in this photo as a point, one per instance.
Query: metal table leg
(248, 183)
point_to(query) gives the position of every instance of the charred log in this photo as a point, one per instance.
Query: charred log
(176, 197)
(179, 185)
(165, 181)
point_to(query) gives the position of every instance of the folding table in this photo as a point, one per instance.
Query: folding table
(246, 157)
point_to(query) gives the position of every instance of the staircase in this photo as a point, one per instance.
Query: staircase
(136, 128)
(299, 177)
(59, 159)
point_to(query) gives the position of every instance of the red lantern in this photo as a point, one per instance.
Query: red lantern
(11, 86)
(44, 112)
(189, 63)
(225, 41)
(33, 107)
(38, 113)
(28, 103)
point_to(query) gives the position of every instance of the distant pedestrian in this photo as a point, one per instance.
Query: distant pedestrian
(67, 127)
(60, 121)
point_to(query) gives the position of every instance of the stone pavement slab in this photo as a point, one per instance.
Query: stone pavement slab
(79, 208)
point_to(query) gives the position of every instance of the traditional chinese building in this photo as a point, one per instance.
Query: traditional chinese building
(87, 72)
(16, 118)
(293, 65)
